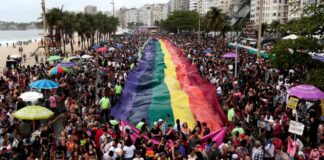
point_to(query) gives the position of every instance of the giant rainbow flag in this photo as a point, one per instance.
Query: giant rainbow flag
(166, 82)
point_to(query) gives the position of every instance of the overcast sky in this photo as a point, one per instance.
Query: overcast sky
(30, 10)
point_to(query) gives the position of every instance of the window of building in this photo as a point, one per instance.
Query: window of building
(274, 14)
(274, 1)
(278, 14)
(279, 1)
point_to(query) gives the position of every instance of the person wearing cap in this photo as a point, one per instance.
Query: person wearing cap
(162, 124)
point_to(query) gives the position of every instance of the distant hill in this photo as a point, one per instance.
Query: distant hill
(19, 26)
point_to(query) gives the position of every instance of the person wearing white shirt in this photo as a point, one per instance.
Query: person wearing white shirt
(128, 150)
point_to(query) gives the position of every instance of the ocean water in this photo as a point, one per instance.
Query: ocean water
(13, 36)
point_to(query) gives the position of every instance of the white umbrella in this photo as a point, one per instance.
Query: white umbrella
(292, 36)
(86, 57)
(31, 96)
(111, 49)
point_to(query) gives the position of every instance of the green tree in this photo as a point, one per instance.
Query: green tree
(292, 53)
(181, 20)
(63, 24)
(316, 78)
(216, 20)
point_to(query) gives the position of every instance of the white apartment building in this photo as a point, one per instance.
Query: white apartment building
(224, 5)
(202, 6)
(296, 7)
(145, 15)
(131, 16)
(90, 9)
(160, 12)
(273, 10)
(179, 5)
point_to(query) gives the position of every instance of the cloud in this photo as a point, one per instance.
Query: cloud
(30, 10)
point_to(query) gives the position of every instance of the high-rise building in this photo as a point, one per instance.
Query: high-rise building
(90, 9)
(201, 6)
(296, 7)
(121, 15)
(146, 14)
(179, 5)
(224, 5)
(131, 16)
(273, 10)
(160, 12)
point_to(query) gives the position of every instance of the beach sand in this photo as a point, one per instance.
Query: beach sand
(27, 49)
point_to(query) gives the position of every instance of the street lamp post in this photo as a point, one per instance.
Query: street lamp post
(260, 29)
(235, 70)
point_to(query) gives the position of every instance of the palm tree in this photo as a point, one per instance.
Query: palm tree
(216, 20)
(54, 22)
(69, 23)
(63, 24)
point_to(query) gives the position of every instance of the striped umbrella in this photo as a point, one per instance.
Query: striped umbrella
(66, 64)
(58, 69)
(306, 92)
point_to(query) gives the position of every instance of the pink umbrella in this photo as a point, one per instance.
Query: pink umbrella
(306, 92)
(102, 49)
(229, 55)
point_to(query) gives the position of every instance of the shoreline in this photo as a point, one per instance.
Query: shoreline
(27, 49)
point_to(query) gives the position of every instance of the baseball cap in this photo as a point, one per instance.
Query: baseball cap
(160, 120)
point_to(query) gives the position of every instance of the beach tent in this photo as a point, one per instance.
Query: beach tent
(292, 37)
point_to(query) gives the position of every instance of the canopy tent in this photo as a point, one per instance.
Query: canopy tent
(292, 37)
(250, 50)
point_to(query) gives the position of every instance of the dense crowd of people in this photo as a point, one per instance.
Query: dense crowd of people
(254, 101)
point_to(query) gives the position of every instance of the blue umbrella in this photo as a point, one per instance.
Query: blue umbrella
(96, 46)
(44, 84)
(66, 64)
(119, 46)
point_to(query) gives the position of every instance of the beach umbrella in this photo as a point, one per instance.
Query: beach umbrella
(53, 58)
(229, 55)
(86, 57)
(306, 92)
(33, 113)
(31, 96)
(58, 69)
(119, 46)
(44, 84)
(96, 46)
(111, 49)
(66, 64)
(102, 49)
